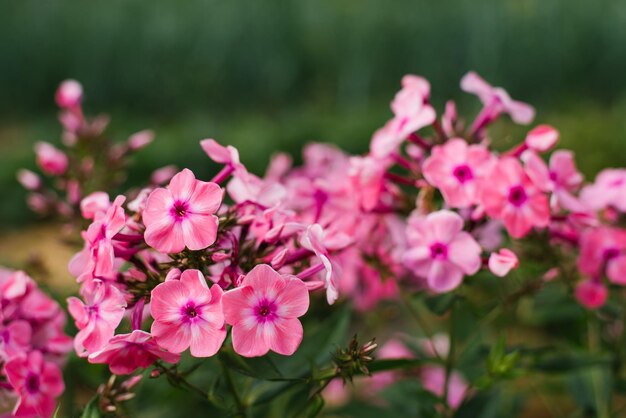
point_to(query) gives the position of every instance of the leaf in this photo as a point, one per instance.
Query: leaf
(314, 406)
(394, 364)
(440, 304)
(566, 362)
(92, 410)
(258, 367)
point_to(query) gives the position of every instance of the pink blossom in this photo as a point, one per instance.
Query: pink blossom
(51, 160)
(393, 349)
(263, 312)
(410, 105)
(37, 383)
(69, 94)
(367, 175)
(246, 187)
(510, 195)
(97, 317)
(456, 168)
(14, 338)
(495, 101)
(609, 189)
(182, 215)
(449, 119)
(188, 314)
(591, 294)
(140, 139)
(502, 262)
(28, 179)
(541, 138)
(602, 250)
(94, 203)
(126, 353)
(434, 380)
(163, 175)
(440, 251)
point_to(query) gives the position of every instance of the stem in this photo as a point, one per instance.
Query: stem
(593, 339)
(451, 353)
(176, 377)
(419, 141)
(241, 407)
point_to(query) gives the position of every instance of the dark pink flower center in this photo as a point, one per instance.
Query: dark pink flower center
(517, 195)
(439, 251)
(179, 210)
(463, 173)
(190, 311)
(610, 253)
(32, 383)
(265, 311)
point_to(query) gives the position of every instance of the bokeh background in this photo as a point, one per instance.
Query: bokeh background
(272, 75)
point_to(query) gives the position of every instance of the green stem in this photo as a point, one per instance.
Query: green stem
(241, 407)
(593, 339)
(451, 353)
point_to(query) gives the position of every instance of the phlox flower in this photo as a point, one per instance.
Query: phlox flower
(541, 138)
(440, 251)
(50, 159)
(69, 94)
(495, 101)
(367, 175)
(97, 317)
(410, 105)
(591, 294)
(188, 314)
(455, 168)
(434, 380)
(94, 203)
(509, 194)
(560, 177)
(182, 215)
(608, 190)
(264, 312)
(14, 338)
(126, 353)
(502, 262)
(37, 382)
(603, 250)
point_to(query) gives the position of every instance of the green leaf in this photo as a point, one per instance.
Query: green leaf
(565, 362)
(258, 367)
(314, 406)
(92, 410)
(440, 304)
(394, 364)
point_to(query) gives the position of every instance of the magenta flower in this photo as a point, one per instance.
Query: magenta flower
(591, 294)
(440, 251)
(14, 338)
(188, 314)
(37, 383)
(510, 195)
(455, 168)
(182, 215)
(263, 312)
(50, 159)
(97, 317)
(126, 353)
(603, 250)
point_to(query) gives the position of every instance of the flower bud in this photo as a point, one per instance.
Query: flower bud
(69, 94)
(51, 160)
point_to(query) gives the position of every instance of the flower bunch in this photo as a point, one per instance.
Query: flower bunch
(89, 161)
(33, 346)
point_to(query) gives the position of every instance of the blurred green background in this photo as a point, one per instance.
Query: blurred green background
(271, 75)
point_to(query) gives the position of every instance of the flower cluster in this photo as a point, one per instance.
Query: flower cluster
(88, 161)
(33, 346)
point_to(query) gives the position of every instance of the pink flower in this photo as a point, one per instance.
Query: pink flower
(455, 169)
(434, 380)
(495, 101)
(140, 140)
(509, 194)
(410, 105)
(126, 353)
(263, 312)
(393, 349)
(69, 94)
(182, 214)
(440, 251)
(98, 317)
(541, 138)
(37, 383)
(51, 160)
(14, 339)
(591, 294)
(367, 175)
(28, 179)
(188, 314)
(609, 189)
(602, 250)
(94, 203)
(502, 262)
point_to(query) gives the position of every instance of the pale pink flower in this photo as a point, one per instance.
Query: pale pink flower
(449, 119)
(495, 101)
(561, 177)
(163, 175)
(541, 138)
(37, 383)
(50, 159)
(410, 105)
(367, 175)
(591, 294)
(393, 349)
(440, 251)
(608, 190)
(140, 139)
(246, 187)
(603, 250)
(97, 317)
(455, 168)
(126, 353)
(182, 215)
(69, 94)
(94, 203)
(28, 179)
(510, 195)
(264, 312)
(187, 314)
(434, 380)
(14, 338)
(502, 262)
